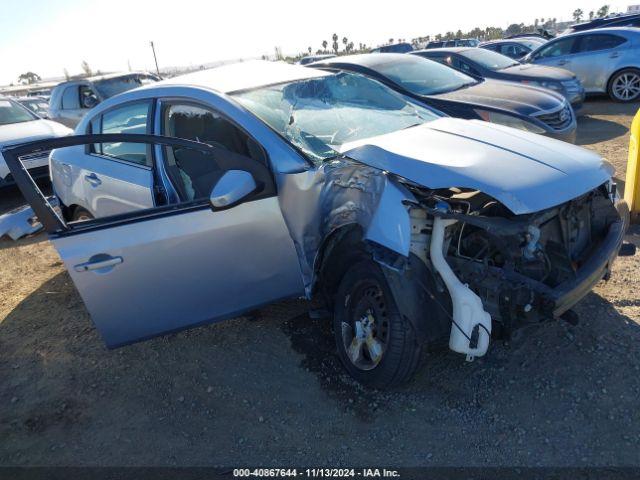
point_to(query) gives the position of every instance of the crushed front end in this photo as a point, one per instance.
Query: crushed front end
(524, 268)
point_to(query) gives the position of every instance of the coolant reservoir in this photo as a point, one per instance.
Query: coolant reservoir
(469, 314)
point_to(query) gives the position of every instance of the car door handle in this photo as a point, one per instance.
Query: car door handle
(98, 264)
(93, 179)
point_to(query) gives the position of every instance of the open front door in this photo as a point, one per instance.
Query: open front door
(163, 269)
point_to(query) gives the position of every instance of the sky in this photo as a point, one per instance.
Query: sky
(48, 36)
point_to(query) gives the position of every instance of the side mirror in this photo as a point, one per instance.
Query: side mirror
(232, 187)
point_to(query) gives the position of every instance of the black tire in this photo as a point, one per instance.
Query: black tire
(363, 293)
(616, 88)
(81, 215)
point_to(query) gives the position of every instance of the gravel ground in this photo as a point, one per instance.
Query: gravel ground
(268, 389)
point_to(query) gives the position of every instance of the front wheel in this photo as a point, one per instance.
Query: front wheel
(376, 344)
(625, 85)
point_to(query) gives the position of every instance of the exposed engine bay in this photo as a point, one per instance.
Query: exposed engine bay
(524, 268)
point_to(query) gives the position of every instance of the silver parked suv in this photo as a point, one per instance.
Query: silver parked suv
(606, 60)
(71, 100)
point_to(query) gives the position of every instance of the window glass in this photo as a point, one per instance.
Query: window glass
(11, 112)
(130, 118)
(323, 115)
(465, 67)
(513, 50)
(487, 58)
(556, 49)
(194, 173)
(70, 98)
(592, 43)
(423, 77)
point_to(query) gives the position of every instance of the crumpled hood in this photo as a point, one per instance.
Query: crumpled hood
(514, 97)
(27, 131)
(530, 70)
(524, 171)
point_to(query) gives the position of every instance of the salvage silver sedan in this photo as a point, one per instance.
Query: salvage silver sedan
(215, 193)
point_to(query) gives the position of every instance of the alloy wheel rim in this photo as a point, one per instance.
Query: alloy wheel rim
(627, 86)
(366, 333)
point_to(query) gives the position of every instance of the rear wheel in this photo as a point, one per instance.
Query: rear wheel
(375, 342)
(624, 86)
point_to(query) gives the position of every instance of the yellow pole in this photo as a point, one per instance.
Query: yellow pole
(632, 183)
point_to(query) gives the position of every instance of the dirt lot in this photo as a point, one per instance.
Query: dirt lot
(268, 390)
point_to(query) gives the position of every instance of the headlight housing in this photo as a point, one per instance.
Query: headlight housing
(509, 121)
(555, 86)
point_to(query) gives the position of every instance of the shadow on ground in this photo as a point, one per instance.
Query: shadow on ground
(594, 130)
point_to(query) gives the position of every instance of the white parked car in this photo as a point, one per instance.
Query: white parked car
(18, 125)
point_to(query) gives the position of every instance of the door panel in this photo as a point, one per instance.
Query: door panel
(593, 60)
(168, 273)
(168, 268)
(103, 186)
(557, 53)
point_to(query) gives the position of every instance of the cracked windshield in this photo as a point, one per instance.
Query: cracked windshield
(321, 115)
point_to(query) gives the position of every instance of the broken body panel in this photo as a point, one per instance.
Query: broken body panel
(498, 184)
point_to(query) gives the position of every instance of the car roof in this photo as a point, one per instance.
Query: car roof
(628, 30)
(519, 40)
(368, 60)
(106, 76)
(444, 50)
(243, 76)
(600, 21)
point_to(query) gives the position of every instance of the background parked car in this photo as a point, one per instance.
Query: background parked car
(541, 33)
(613, 21)
(457, 42)
(606, 60)
(313, 58)
(482, 63)
(458, 95)
(18, 125)
(396, 48)
(70, 101)
(38, 105)
(515, 48)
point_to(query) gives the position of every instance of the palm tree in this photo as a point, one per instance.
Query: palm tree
(391, 40)
(324, 45)
(577, 14)
(591, 14)
(334, 37)
(309, 49)
(603, 11)
(345, 40)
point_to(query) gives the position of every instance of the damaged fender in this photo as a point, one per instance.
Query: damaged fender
(316, 203)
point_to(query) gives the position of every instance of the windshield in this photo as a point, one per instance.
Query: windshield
(112, 86)
(321, 114)
(489, 59)
(423, 77)
(11, 112)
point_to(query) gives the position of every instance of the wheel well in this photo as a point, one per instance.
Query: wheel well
(68, 211)
(339, 250)
(618, 71)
